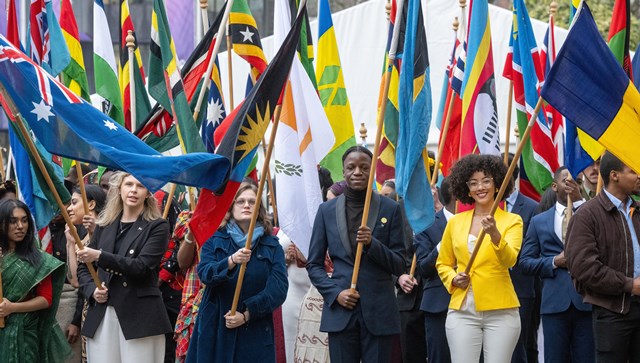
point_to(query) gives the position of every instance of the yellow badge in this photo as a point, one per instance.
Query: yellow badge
(383, 220)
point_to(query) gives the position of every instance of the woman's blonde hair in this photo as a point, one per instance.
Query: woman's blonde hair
(262, 215)
(114, 206)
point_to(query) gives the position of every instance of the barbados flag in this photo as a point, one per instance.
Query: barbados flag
(479, 132)
(588, 85)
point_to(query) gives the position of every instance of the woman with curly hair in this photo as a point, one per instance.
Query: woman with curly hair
(483, 312)
(248, 335)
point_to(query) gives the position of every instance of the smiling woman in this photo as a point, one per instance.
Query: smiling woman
(31, 283)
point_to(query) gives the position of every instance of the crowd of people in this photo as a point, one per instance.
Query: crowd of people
(554, 281)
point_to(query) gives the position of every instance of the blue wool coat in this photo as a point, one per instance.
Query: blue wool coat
(264, 289)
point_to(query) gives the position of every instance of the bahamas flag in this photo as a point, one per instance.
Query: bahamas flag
(479, 131)
(333, 93)
(539, 159)
(241, 133)
(415, 119)
(74, 76)
(68, 126)
(165, 81)
(587, 84)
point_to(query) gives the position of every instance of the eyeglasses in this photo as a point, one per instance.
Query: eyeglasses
(474, 184)
(242, 202)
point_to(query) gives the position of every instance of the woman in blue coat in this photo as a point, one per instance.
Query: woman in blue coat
(248, 335)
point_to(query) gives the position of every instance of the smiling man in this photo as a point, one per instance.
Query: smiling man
(360, 323)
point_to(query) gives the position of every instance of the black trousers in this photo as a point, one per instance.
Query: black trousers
(617, 336)
(412, 337)
(355, 343)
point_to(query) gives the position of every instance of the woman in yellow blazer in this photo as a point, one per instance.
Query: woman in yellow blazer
(483, 312)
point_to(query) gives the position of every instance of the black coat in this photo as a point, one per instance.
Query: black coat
(131, 275)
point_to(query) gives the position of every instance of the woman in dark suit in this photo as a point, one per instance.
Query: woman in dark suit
(126, 321)
(248, 335)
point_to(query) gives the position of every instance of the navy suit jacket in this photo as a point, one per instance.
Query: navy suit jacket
(540, 246)
(436, 297)
(382, 259)
(525, 207)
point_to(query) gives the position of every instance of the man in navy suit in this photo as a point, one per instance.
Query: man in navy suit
(361, 322)
(566, 320)
(525, 286)
(435, 298)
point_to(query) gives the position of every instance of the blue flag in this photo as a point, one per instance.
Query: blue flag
(68, 126)
(415, 119)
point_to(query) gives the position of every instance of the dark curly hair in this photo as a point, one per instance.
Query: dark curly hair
(462, 171)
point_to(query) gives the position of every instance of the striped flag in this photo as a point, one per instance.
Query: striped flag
(333, 93)
(304, 138)
(523, 67)
(74, 76)
(245, 38)
(415, 120)
(165, 81)
(104, 64)
(480, 129)
(619, 34)
(157, 130)
(143, 106)
(215, 110)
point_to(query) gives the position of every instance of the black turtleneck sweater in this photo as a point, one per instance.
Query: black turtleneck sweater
(355, 208)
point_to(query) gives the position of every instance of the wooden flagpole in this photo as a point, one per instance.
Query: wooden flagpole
(32, 148)
(256, 208)
(272, 195)
(206, 78)
(376, 146)
(508, 136)
(1, 295)
(3, 175)
(204, 5)
(131, 43)
(524, 137)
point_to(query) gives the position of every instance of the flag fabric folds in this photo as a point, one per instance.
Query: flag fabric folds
(70, 127)
(104, 65)
(539, 159)
(241, 133)
(165, 81)
(245, 37)
(480, 130)
(304, 138)
(619, 34)
(415, 119)
(143, 106)
(333, 93)
(157, 130)
(74, 76)
(215, 110)
(586, 84)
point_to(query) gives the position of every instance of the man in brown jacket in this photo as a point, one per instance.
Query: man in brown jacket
(603, 256)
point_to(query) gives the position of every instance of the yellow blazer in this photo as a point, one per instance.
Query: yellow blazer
(490, 279)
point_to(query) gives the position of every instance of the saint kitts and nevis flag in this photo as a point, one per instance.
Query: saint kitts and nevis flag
(68, 126)
(241, 133)
(304, 137)
(414, 122)
(386, 163)
(245, 38)
(588, 85)
(158, 130)
(143, 106)
(104, 64)
(479, 130)
(165, 81)
(523, 67)
(333, 93)
(74, 75)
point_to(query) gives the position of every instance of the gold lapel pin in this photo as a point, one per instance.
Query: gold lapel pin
(383, 220)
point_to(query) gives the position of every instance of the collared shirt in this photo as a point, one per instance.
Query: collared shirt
(625, 208)
(511, 200)
(447, 214)
(557, 220)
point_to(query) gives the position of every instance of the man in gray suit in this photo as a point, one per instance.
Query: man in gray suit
(360, 323)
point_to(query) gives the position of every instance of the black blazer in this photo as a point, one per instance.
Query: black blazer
(380, 261)
(524, 285)
(131, 275)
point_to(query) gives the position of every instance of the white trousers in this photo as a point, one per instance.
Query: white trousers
(108, 345)
(469, 332)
